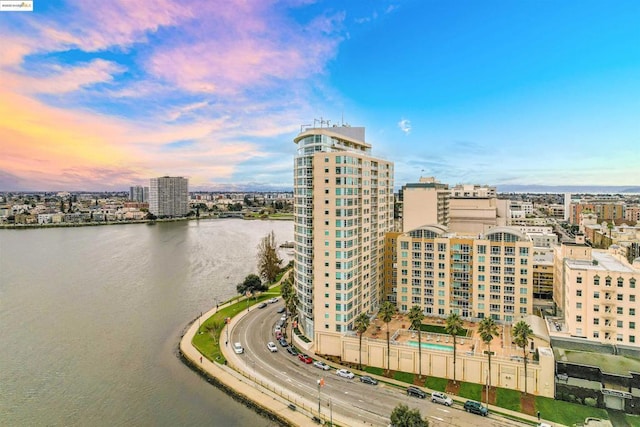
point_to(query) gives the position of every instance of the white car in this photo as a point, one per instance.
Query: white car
(237, 347)
(273, 300)
(272, 347)
(345, 374)
(321, 365)
(441, 398)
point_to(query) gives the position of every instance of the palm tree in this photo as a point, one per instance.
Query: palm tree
(291, 304)
(362, 323)
(415, 317)
(522, 334)
(453, 327)
(488, 330)
(387, 311)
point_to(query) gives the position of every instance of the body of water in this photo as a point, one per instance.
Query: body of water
(90, 318)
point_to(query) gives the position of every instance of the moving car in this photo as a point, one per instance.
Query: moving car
(237, 347)
(368, 380)
(415, 391)
(272, 347)
(280, 310)
(273, 300)
(475, 408)
(262, 305)
(321, 365)
(441, 398)
(345, 374)
(306, 359)
(292, 351)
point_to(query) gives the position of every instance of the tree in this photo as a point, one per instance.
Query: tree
(387, 311)
(415, 317)
(251, 284)
(268, 260)
(488, 330)
(402, 416)
(522, 334)
(291, 302)
(453, 327)
(362, 323)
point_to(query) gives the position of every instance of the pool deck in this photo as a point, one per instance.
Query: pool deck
(472, 344)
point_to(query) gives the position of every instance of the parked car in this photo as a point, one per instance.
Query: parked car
(368, 380)
(475, 408)
(345, 374)
(272, 347)
(283, 317)
(321, 365)
(415, 391)
(237, 347)
(277, 328)
(262, 305)
(292, 351)
(273, 300)
(278, 335)
(306, 359)
(441, 398)
(280, 310)
(283, 342)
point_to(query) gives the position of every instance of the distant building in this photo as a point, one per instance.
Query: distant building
(475, 209)
(139, 194)
(425, 202)
(169, 196)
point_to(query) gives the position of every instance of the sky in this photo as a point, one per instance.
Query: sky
(103, 95)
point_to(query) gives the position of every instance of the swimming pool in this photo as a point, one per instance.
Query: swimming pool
(431, 346)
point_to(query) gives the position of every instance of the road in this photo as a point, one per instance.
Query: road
(370, 404)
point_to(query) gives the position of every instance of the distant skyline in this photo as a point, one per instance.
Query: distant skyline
(105, 95)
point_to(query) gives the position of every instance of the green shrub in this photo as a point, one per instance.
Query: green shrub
(590, 401)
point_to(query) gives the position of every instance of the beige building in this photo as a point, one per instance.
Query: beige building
(474, 277)
(425, 202)
(476, 209)
(598, 293)
(343, 207)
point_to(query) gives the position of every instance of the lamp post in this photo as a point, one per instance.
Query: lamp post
(227, 321)
(487, 387)
(320, 384)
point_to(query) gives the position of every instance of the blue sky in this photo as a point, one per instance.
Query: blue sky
(103, 95)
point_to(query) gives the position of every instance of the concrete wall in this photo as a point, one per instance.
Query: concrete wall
(505, 373)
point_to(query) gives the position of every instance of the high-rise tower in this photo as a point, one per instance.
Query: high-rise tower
(169, 196)
(343, 208)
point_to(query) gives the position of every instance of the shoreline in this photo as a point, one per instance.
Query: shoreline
(144, 221)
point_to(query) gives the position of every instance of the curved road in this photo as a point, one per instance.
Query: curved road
(370, 404)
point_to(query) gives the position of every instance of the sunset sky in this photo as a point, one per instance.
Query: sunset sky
(102, 95)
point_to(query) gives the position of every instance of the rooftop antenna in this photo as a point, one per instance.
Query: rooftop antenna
(342, 119)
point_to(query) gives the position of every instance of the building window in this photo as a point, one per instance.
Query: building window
(596, 295)
(579, 305)
(620, 282)
(579, 293)
(620, 297)
(607, 281)
(596, 281)
(596, 334)
(632, 283)
(578, 319)
(579, 280)
(596, 321)
(632, 312)
(632, 338)
(619, 337)
(619, 310)
(632, 325)
(596, 308)
(619, 324)
(632, 298)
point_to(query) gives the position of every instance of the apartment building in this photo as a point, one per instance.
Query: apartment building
(169, 196)
(343, 207)
(475, 209)
(600, 294)
(475, 277)
(610, 211)
(424, 202)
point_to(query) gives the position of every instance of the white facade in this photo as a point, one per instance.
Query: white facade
(169, 196)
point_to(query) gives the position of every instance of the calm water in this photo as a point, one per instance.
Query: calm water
(90, 318)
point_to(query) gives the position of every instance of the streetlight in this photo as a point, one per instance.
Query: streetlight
(227, 321)
(487, 387)
(320, 384)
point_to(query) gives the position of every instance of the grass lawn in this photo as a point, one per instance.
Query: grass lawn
(435, 383)
(470, 391)
(373, 370)
(633, 420)
(208, 338)
(509, 399)
(565, 412)
(437, 329)
(405, 377)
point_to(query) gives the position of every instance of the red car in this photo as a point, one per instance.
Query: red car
(306, 359)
